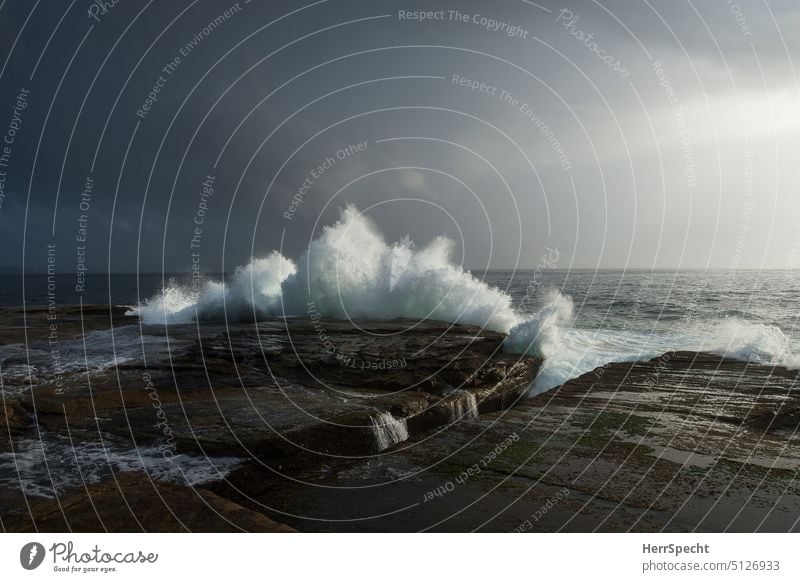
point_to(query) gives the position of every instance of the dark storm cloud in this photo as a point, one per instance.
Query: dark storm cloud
(557, 149)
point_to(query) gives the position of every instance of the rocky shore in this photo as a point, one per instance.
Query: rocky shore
(317, 425)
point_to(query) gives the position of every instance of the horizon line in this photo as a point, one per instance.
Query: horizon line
(472, 270)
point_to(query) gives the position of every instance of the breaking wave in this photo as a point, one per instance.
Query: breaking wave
(349, 271)
(577, 351)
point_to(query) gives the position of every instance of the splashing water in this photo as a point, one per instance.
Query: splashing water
(349, 271)
(388, 430)
(51, 466)
(462, 404)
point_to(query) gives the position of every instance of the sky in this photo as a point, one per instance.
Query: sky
(172, 136)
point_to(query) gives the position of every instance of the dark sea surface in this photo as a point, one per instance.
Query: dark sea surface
(584, 319)
(608, 299)
(117, 289)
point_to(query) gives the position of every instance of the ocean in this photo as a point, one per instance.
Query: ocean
(581, 319)
(636, 314)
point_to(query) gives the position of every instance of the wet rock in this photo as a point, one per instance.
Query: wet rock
(276, 387)
(405, 426)
(131, 502)
(21, 326)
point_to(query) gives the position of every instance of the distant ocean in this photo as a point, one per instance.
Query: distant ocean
(117, 289)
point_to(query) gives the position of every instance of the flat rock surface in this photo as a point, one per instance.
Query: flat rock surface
(687, 442)
(130, 502)
(294, 392)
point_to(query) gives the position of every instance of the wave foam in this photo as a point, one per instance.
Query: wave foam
(578, 351)
(48, 468)
(349, 271)
(746, 340)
